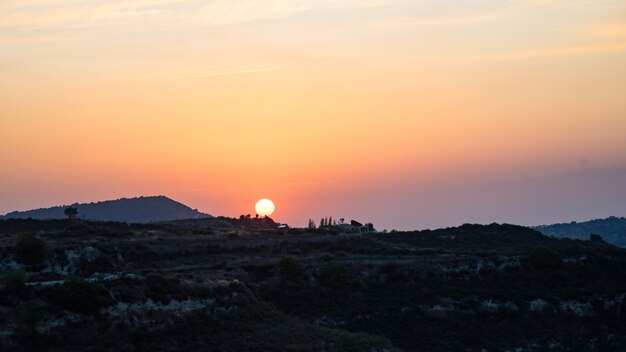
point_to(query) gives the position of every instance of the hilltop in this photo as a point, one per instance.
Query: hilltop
(612, 230)
(133, 210)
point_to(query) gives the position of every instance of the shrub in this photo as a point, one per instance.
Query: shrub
(596, 238)
(333, 274)
(31, 251)
(28, 314)
(101, 264)
(14, 279)
(290, 270)
(160, 288)
(81, 296)
(545, 259)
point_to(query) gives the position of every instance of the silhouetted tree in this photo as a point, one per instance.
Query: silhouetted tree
(70, 212)
(311, 224)
(595, 238)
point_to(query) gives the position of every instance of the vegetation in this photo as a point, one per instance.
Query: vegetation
(70, 212)
(290, 270)
(161, 288)
(31, 250)
(209, 284)
(333, 275)
(611, 229)
(14, 281)
(29, 313)
(81, 296)
(247, 222)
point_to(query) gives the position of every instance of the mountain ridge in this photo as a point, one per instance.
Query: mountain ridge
(133, 210)
(612, 229)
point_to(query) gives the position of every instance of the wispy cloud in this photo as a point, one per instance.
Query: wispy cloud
(30, 39)
(580, 4)
(51, 14)
(308, 183)
(451, 21)
(204, 72)
(47, 13)
(223, 12)
(503, 10)
(549, 52)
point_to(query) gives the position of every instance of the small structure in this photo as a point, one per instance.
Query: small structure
(355, 223)
(354, 226)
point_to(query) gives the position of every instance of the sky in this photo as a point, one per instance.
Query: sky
(406, 114)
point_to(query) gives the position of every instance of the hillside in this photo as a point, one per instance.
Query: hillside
(612, 230)
(228, 285)
(136, 210)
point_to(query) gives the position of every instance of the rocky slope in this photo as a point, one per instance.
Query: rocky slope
(213, 285)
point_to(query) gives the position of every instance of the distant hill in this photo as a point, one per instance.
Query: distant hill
(134, 210)
(612, 230)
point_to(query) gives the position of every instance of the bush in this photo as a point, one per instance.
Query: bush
(333, 274)
(28, 314)
(14, 279)
(596, 238)
(290, 270)
(101, 264)
(160, 288)
(81, 296)
(545, 259)
(31, 251)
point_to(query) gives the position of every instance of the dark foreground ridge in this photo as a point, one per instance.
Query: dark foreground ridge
(223, 284)
(138, 210)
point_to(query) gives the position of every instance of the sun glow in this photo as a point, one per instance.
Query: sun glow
(264, 207)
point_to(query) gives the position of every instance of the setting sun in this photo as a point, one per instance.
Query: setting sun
(264, 207)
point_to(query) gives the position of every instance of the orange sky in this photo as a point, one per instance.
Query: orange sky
(407, 115)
